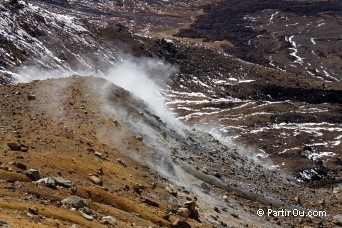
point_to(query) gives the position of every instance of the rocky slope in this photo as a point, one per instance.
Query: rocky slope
(86, 144)
(277, 121)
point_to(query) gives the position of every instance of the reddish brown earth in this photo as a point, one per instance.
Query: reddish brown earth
(68, 131)
(282, 108)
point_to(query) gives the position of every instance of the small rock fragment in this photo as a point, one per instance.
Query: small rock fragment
(297, 199)
(95, 180)
(109, 218)
(184, 212)
(98, 154)
(100, 171)
(216, 174)
(88, 217)
(235, 215)
(139, 138)
(14, 146)
(191, 206)
(4, 224)
(31, 97)
(122, 162)
(4, 168)
(19, 165)
(10, 186)
(33, 210)
(205, 187)
(33, 174)
(138, 188)
(182, 224)
(87, 213)
(150, 202)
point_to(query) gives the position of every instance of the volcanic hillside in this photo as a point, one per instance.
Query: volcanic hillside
(255, 92)
(86, 144)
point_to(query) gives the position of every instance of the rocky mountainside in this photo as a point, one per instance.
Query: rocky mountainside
(266, 89)
(83, 151)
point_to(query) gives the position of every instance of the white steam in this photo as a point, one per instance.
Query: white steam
(144, 77)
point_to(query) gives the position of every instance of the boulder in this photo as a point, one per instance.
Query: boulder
(74, 201)
(64, 182)
(47, 181)
(33, 174)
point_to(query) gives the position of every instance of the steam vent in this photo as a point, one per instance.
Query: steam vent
(184, 114)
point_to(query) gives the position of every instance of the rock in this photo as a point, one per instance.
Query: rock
(100, 171)
(235, 215)
(138, 188)
(73, 189)
(297, 200)
(150, 202)
(216, 174)
(64, 182)
(337, 190)
(122, 162)
(36, 194)
(10, 186)
(139, 138)
(4, 224)
(191, 206)
(47, 181)
(181, 224)
(33, 174)
(98, 154)
(33, 210)
(87, 213)
(74, 201)
(4, 168)
(13, 146)
(171, 218)
(205, 187)
(172, 192)
(86, 216)
(184, 212)
(31, 97)
(19, 165)
(95, 180)
(109, 218)
(24, 149)
(205, 170)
